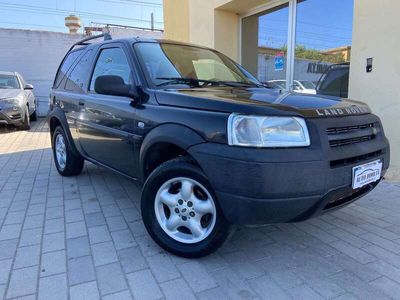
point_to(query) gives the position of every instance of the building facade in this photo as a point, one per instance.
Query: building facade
(232, 27)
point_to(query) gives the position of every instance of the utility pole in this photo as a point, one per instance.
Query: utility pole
(152, 21)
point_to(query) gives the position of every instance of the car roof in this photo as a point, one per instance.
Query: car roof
(8, 73)
(147, 40)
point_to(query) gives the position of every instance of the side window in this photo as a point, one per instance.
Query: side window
(78, 76)
(68, 62)
(112, 61)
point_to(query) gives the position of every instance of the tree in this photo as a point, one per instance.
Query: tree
(302, 52)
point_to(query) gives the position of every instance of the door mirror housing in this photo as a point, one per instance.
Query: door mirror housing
(28, 86)
(114, 86)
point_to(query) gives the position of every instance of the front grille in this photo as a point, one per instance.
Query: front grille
(348, 135)
(355, 159)
(15, 116)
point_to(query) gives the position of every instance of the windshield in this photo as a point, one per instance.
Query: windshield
(307, 84)
(167, 64)
(9, 82)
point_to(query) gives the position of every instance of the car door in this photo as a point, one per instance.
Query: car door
(106, 123)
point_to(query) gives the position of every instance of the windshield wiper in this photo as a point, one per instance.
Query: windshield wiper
(239, 83)
(196, 82)
(185, 80)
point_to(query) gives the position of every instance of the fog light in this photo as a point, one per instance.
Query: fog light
(15, 108)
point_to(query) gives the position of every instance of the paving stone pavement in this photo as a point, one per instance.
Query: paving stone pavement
(82, 238)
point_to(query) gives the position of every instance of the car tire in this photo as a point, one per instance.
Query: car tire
(67, 163)
(33, 116)
(183, 227)
(26, 124)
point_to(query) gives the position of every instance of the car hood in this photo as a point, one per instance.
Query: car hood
(260, 101)
(9, 93)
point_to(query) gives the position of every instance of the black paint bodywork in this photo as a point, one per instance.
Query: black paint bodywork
(252, 185)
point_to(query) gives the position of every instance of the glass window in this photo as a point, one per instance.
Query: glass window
(66, 65)
(323, 39)
(77, 78)
(163, 62)
(9, 82)
(272, 47)
(112, 61)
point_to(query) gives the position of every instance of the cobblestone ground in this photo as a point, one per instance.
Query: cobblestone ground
(82, 238)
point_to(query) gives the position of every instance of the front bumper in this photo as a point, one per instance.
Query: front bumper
(11, 117)
(261, 186)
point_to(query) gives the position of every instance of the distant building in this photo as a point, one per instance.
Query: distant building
(73, 23)
(345, 51)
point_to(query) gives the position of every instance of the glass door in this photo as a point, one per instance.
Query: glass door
(264, 45)
(323, 47)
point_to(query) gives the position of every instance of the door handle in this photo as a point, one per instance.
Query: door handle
(81, 103)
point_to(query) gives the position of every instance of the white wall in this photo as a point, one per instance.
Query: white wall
(120, 32)
(376, 35)
(36, 55)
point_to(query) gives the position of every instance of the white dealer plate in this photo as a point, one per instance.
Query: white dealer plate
(366, 173)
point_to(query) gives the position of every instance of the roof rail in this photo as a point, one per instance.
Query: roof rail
(83, 42)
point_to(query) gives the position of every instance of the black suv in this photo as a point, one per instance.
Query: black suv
(211, 146)
(335, 81)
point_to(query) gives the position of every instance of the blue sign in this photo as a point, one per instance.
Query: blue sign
(279, 63)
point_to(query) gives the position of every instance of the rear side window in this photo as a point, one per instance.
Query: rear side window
(112, 61)
(78, 76)
(66, 65)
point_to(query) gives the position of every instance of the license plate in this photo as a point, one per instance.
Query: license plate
(367, 173)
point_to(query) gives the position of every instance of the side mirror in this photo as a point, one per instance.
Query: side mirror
(114, 86)
(28, 86)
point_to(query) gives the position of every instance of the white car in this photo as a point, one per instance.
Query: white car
(299, 86)
(17, 101)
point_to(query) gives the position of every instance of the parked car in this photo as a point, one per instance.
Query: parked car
(17, 101)
(335, 81)
(209, 144)
(299, 86)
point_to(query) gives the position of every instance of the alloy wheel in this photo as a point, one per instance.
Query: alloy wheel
(185, 210)
(61, 153)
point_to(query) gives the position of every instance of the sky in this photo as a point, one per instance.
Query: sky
(49, 14)
(321, 24)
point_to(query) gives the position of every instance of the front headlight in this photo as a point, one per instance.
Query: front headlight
(256, 131)
(11, 101)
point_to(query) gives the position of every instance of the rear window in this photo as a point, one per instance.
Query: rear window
(66, 65)
(77, 78)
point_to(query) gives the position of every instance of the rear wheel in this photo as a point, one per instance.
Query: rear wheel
(67, 163)
(180, 210)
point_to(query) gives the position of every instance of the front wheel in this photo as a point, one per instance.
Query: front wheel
(26, 124)
(34, 116)
(181, 212)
